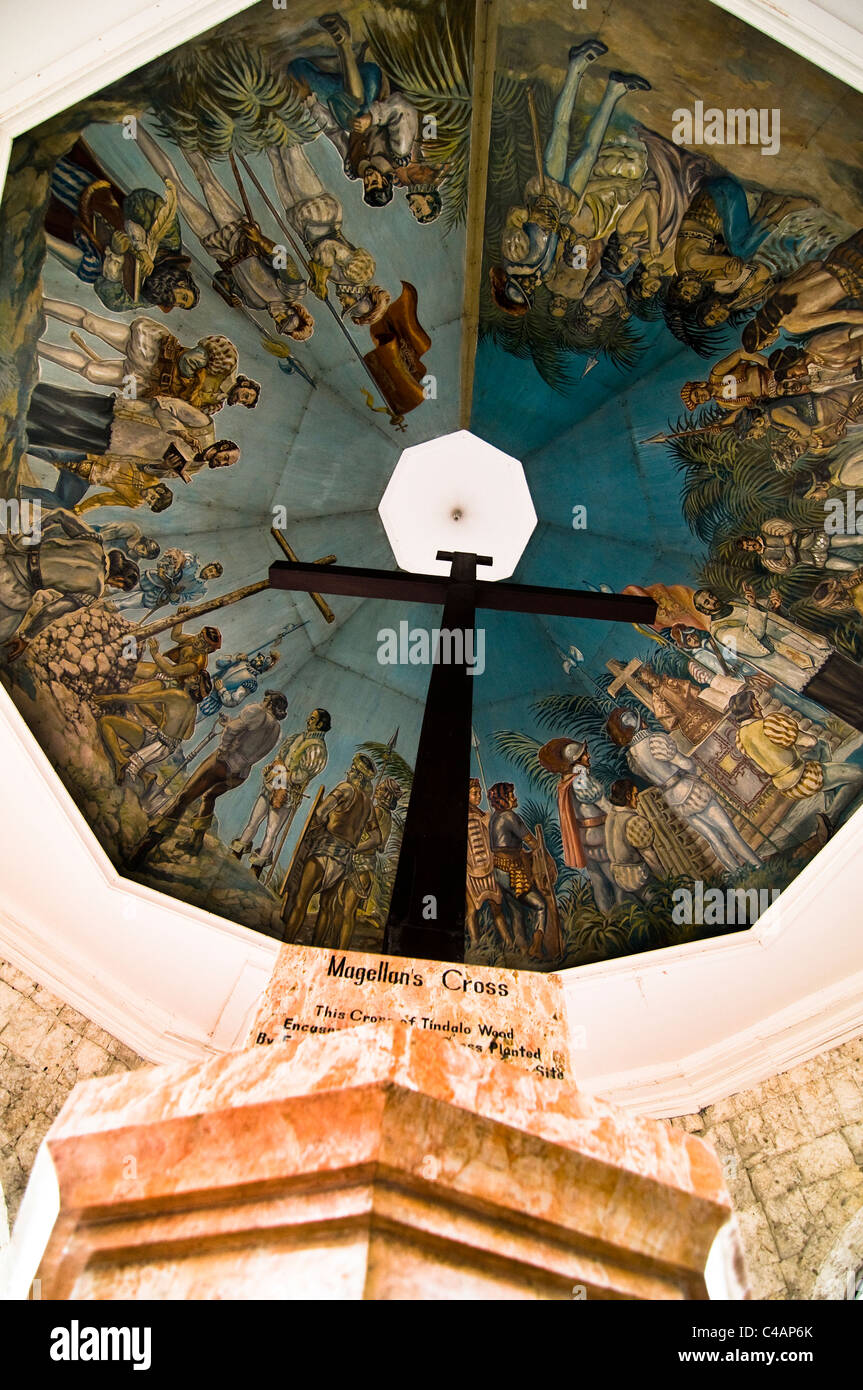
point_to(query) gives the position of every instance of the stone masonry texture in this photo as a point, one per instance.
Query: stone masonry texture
(792, 1151)
(46, 1046)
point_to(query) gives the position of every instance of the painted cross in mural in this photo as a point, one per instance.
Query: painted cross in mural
(433, 866)
(237, 281)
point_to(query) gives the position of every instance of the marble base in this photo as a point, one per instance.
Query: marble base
(377, 1162)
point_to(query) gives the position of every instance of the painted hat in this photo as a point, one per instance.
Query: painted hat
(551, 754)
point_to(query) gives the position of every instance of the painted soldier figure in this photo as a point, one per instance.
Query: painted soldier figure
(246, 259)
(629, 836)
(358, 882)
(482, 885)
(333, 838)
(582, 808)
(316, 216)
(656, 758)
(512, 846)
(236, 678)
(301, 757)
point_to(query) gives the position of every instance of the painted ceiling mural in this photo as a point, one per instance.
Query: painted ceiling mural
(234, 285)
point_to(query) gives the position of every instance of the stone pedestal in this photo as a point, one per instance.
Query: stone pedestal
(373, 1163)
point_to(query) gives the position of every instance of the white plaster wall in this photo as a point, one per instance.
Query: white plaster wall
(665, 1032)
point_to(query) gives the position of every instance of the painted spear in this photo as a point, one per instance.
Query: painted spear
(685, 434)
(474, 738)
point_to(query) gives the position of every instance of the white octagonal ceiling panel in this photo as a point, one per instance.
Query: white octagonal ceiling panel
(457, 493)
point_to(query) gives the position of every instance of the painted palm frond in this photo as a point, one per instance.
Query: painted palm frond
(540, 813)
(702, 501)
(727, 580)
(227, 96)
(683, 322)
(521, 750)
(428, 55)
(582, 715)
(556, 345)
(713, 451)
(389, 763)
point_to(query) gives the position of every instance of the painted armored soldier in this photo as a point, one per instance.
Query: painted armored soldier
(358, 882)
(656, 758)
(236, 678)
(245, 739)
(300, 758)
(246, 258)
(316, 216)
(512, 845)
(582, 808)
(333, 838)
(629, 838)
(482, 885)
(782, 545)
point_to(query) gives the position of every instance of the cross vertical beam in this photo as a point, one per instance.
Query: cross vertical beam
(432, 866)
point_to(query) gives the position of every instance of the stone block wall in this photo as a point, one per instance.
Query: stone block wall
(45, 1047)
(792, 1150)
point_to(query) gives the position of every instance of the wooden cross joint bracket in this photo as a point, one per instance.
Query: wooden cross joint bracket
(322, 606)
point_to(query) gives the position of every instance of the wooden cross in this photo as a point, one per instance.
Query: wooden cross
(623, 675)
(432, 865)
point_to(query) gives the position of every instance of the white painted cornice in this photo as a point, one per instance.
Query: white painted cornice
(830, 35)
(663, 1033)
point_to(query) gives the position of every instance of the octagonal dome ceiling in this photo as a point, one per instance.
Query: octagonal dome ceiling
(239, 282)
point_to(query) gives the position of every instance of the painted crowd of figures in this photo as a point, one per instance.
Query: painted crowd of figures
(726, 749)
(140, 424)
